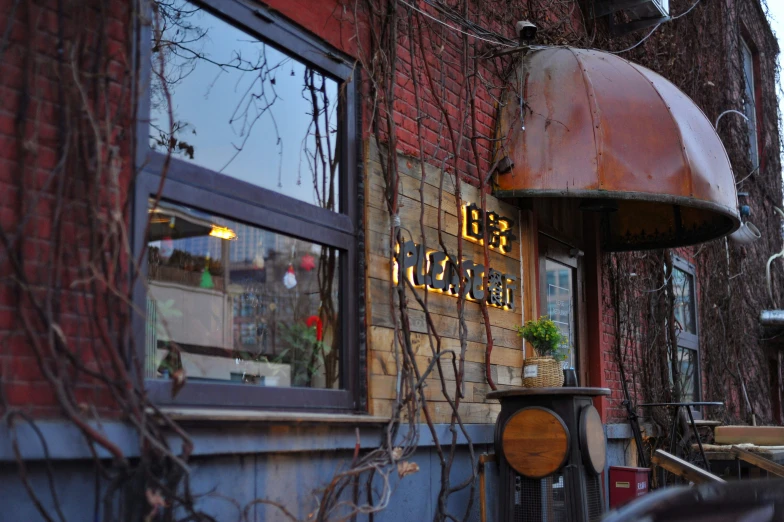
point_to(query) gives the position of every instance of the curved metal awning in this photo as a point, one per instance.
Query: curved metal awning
(623, 139)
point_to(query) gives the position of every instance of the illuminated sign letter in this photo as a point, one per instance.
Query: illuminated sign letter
(421, 276)
(510, 285)
(499, 228)
(408, 258)
(437, 269)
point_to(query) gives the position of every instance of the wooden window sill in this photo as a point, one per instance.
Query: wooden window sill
(242, 415)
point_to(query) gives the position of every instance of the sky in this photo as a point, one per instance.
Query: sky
(229, 110)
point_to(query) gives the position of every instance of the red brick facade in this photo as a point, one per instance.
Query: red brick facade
(46, 217)
(30, 138)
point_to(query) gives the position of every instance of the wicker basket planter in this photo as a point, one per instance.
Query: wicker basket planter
(542, 372)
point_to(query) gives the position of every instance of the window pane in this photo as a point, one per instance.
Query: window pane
(749, 102)
(243, 108)
(687, 366)
(560, 297)
(683, 286)
(233, 302)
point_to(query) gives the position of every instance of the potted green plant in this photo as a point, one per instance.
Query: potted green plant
(544, 370)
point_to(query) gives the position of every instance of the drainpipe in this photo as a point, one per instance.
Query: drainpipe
(772, 318)
(770, 260)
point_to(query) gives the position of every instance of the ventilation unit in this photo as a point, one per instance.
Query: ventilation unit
(551, 452)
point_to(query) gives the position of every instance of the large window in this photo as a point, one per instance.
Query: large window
(687, 330)
(750, 100)
(251, 279)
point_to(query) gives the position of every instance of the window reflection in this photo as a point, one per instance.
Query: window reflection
(749, 102)
(683, 287)
(559, 304)
(687, 367)
(233, 302)
(242, 108)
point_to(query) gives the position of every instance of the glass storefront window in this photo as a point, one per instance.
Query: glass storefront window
(243, 108)
(230, 302)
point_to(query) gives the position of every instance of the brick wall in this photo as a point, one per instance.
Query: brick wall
(46, 217)
(29, 90)
(716, 92)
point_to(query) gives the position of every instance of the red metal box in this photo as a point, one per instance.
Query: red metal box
(626, 484)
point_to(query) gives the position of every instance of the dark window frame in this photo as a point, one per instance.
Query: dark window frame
(199, 187)
(747, 41)
(687, 340)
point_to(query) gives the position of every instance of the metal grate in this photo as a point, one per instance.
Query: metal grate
(540, 499)
(593, 490)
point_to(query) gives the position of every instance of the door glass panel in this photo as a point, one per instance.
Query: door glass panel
(560, 307)
(229, 302)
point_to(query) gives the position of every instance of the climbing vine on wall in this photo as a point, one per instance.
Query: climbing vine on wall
(701, 54)
(72, 132)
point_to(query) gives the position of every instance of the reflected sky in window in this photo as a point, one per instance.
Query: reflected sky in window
(243, 108)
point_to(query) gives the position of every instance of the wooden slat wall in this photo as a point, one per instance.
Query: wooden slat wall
(507, 356)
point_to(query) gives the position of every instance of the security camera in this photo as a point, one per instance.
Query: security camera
(526, 31)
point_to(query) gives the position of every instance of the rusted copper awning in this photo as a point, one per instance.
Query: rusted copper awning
(626, 141)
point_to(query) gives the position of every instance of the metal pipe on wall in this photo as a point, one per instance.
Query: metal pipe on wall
(772, 318)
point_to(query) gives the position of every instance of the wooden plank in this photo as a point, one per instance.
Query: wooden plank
(480, 391)
(381, 407)
(378, 239)
(381, 338)
(758, 435)
(448, 327)
(406, 166)
(384, 387)
(683, 469)
(384, 363)
(471, 413)
(443, 304)
(409, 187)
(758, 461)
(528, 280)
(410, 167)
(378, 218)
(379, 267)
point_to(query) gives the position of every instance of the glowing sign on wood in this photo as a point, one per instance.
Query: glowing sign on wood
(499, 228)
(436, 271)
